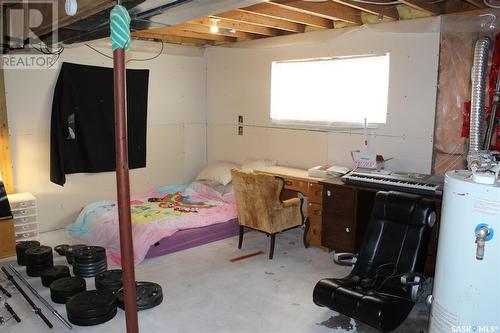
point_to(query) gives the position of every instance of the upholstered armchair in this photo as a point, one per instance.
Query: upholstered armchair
(260, 208)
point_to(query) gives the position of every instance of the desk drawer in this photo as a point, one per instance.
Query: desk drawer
(315, 193)
(314, 212)
(339, 206)
(296, 185)
(342, 239)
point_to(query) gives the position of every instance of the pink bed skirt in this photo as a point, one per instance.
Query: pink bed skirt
(185, 239)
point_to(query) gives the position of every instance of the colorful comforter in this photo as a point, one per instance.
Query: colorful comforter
(155, 215)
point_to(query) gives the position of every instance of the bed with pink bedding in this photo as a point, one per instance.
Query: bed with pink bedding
(197, 212)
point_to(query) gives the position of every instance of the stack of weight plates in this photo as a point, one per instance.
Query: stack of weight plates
(21, 249)
(69, 252)
(111, 280)
(91, 307)
(61, 249)
(89, 261)
(62, 289)
(149, 295)
(38, 259)
(54, 273)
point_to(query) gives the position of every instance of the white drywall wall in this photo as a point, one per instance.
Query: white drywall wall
(176, 134)
(239, 83)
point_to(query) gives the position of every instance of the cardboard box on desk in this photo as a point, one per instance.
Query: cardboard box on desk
(368, 160)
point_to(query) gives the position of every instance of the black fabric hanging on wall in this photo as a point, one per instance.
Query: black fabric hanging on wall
(82, 125)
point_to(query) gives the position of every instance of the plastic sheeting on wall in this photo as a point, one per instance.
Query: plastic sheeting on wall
(458, 35)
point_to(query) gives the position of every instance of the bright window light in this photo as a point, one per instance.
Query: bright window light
(333, 91)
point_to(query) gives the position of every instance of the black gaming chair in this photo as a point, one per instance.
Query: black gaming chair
(382, 288)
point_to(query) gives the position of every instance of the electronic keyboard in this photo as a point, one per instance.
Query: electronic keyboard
(403, 182)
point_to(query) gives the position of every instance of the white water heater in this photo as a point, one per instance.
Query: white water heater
(466, 291)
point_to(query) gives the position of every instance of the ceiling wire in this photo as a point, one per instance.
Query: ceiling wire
(132, 59)
(377, 3)
(491, 5)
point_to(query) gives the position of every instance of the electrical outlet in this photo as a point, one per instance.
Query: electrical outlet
(240, 130)
(240, 119)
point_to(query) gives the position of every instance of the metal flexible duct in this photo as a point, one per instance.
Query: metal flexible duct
(478, 77)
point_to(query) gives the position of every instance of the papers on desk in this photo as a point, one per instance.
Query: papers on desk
(325, 171)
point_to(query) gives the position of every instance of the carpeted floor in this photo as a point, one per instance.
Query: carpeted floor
(205, 292)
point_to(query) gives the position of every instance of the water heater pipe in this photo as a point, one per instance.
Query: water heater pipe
(478, 78)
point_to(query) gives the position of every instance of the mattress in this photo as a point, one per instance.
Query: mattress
(188, 238)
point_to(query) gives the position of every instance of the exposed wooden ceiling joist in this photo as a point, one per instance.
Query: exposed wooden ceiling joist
(239, 26)
(275, 11)
(222, 31)
(425, 6)
(477, 3)
(183, 32)
(328, 9)
(172, 38)
(241, 16)
(86, 8)
(382, 10)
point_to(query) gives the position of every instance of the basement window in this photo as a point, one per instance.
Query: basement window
(334, 92)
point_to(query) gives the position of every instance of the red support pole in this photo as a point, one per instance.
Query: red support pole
(123, 191)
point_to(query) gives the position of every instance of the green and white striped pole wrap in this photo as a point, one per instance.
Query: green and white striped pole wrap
(120, 28)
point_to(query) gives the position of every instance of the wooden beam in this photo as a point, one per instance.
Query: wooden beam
(455, 6)
(239, 26)
(275, 11)
(169, 38)
(389, 11)
(86, 8)
(425, 6)
(327, 9)
(222, 31)
(476, 3)
(241, 16)
(191, 34)
(5, 161)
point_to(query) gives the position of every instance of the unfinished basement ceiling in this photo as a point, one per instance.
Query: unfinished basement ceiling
(284, 17)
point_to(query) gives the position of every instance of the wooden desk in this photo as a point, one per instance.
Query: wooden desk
(346, 213)
(7, 238)
(298, 180)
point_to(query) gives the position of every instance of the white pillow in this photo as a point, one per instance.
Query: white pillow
(218, 171)
(251, 164)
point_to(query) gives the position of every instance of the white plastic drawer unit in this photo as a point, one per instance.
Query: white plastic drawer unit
(24, 219)
(21, 228)
(19, 213)
(26, 235)
(20, 201)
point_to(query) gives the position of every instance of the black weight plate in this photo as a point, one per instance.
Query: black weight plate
(35, 272)
(111, 279)
(68, 286)
(51, 274)
(21, 248)
(38, 251)
(90, 268)
(90, 252)
(88, 273)
(69, 251)
(149, 295)
(61, 249)
(27, 244)
(90, 304)
(85, 262)
(92, 321)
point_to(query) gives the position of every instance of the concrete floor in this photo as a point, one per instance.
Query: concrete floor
(204, 292)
